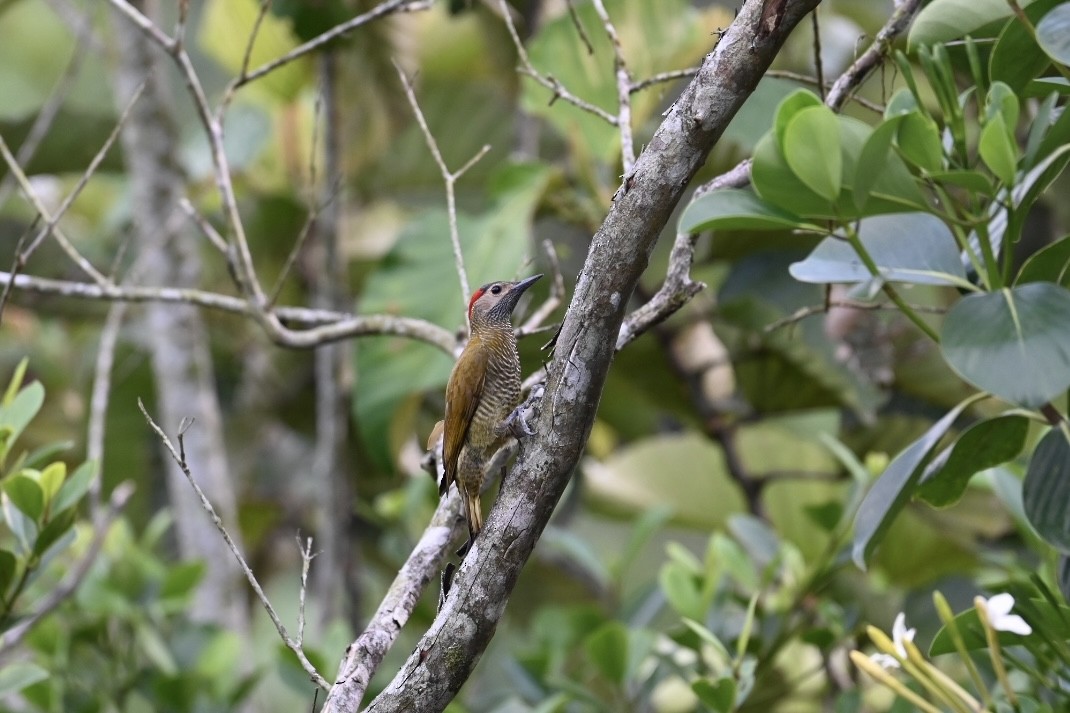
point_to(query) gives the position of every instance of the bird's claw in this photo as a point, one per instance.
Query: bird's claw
(516, 424)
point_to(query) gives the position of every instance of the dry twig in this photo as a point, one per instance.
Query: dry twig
(179, 457)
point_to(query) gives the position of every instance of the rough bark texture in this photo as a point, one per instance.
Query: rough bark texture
(175, 334)
(449, 651)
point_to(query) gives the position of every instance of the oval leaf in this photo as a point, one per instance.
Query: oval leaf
(1046, 489)
(943, 20)
(26, 495)
(913, 247)
(790, 106)
(919, 142)
(811, 147)
(607, 647)
(998, 149)
(984, 445)
(1014, 343)
(1053, 33)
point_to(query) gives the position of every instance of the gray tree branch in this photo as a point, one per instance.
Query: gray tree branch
(619, 252)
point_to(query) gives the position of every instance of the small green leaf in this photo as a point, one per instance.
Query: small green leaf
(1053, 33)
(893, 489)
(52, 478)
(155, 648)
(26, 495)
(53, 531)
(75, 487)
(983, 445)
(974, 181)
(811, 148)
(998, 149)
(18, 414)
(916, 248)
(788, 107)
(607, 647)
(720, 695)
(918, 139)
(736, 209)
(682, 591)
(17, 675)
(1014, 343)
(1046, 489)
(41, 455)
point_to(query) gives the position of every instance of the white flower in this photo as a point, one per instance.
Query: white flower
(998, 611)
(885, 661)
(901, 634)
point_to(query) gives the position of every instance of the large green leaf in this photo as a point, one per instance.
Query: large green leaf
(1046, 490)
(998, 149)
(735, 209)
(984, 445)
(1053, 33)
(893, 489)
(915, 248)
(1017, 58)
(1014, 343)
(417, 279)
(944, 20)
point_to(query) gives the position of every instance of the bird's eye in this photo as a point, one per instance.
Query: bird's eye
(496, 289)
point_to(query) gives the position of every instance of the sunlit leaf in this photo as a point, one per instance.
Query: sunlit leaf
(811, 146)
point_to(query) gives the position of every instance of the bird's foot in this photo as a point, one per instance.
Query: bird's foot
(517, 424)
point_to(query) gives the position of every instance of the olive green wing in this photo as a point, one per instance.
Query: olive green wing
(463, 392)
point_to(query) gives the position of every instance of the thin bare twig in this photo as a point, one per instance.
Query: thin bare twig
(17, 263)
(533, 324)
(13, 636)
(819, 68)
(624, 90)
(98, 401)
(35, 201)
(579, 26)
(307, 555)
(549, 81)
(810, 310)
(380, 10)
(207, 229)
(663, 77)
(450, 179)
(328, 325)
(180, 459)
(232, 88)
(50, 224)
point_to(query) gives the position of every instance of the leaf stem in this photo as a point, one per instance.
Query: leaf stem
(893, 294)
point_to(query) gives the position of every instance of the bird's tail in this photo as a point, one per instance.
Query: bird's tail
(473, 512)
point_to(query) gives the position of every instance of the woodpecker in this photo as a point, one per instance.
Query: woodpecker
(481, 394)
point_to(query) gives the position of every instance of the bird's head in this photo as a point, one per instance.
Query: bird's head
(494, 302)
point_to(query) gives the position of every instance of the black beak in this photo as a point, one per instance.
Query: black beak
(519, 288)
